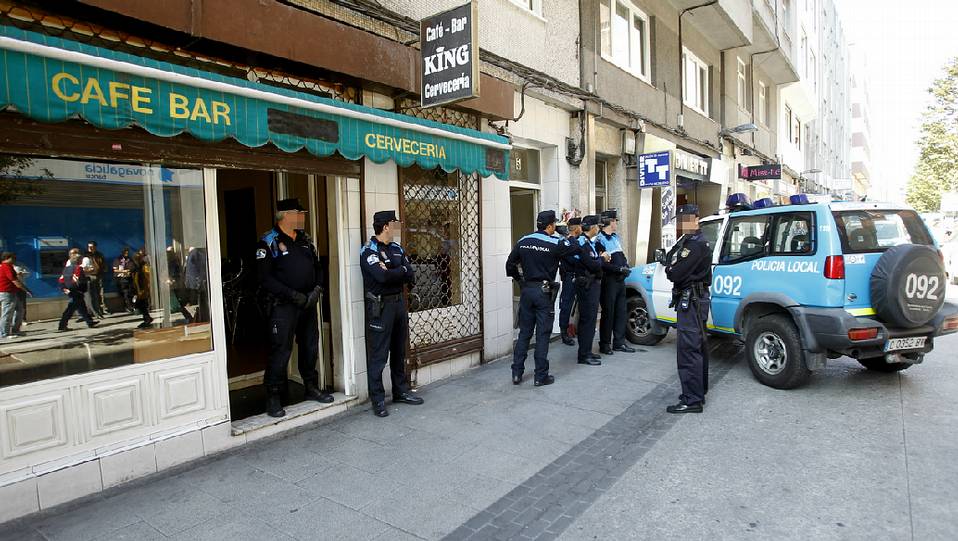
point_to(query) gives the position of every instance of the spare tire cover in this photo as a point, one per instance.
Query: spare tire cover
(908, 285)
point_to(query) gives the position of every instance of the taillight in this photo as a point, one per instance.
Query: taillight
(951, 323)
(862, 334)
(835, 267)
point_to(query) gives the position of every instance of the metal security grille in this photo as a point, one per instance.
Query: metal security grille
(441, 235)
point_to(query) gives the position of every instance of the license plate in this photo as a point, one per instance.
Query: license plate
(897, 344)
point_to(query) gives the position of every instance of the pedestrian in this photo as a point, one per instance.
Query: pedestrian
(142, 280)
(74, 283)
(20, 309)
(122, 266)
(197, 283)
(533, 263)
(689, 267)
(567, 272)
(10, 287)
(612, 297)
(289, 270)
(386, 269)
(175, 279)
(588, 284)
(94, 265)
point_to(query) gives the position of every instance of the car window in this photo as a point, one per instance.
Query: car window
(710, 231)
(875, 230)
(744, 239)
(793, 234)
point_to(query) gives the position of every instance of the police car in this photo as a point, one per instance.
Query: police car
(807, 282)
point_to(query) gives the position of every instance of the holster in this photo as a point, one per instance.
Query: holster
(584, 281)
(553, 291)
(374, 306)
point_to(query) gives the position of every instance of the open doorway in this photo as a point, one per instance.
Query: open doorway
(246, 207)
(524, 205)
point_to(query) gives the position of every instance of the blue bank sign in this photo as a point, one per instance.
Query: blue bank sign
(654, 169)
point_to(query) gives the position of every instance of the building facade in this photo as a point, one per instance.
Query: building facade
(861, 158)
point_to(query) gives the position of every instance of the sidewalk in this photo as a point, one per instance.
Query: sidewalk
(481, 459)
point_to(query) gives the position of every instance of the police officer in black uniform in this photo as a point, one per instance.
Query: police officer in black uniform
(386, 270)
(588, 284)
(567, 270)
(533, 262)
(614, 270)
(689, 267)
(290, 271)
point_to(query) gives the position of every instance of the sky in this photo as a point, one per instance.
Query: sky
(906, 45)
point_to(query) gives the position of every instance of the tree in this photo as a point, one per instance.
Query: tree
(937, 168)
(12, 188)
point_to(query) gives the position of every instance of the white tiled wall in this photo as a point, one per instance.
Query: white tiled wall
(496, 286)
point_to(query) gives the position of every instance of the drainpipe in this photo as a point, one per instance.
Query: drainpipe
(681, 67)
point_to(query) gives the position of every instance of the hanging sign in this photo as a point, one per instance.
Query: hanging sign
(654, 170)
(449, 46)
(760, 172)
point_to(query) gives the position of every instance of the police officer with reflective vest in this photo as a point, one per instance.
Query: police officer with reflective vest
(533, 262)
(612, 297)
(290, 271)
(567, 271)
(588, 284)
(386, 270)
(689, 267)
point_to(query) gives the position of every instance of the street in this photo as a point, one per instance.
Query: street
(853, 455)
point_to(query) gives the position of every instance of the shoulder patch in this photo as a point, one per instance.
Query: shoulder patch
(372, 259)
(685, 252)
(261, 254)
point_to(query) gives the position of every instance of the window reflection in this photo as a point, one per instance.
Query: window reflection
(114, 260)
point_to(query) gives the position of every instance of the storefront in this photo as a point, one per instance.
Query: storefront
(182, 166)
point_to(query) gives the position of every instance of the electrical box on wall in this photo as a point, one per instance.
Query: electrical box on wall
(628, 142)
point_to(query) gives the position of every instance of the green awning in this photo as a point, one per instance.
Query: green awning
(53, 79)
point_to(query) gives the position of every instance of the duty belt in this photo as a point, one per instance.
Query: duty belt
(392, 297)
(536, 283)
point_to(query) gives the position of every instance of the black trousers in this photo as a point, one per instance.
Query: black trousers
(536, 314)
(692, 357)
(77, 304)
(566, 298)
(288, 322)
(387, 344)
(588, 313)
(612, 326)
(125, 287)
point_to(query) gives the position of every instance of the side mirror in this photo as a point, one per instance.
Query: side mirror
(660, 255)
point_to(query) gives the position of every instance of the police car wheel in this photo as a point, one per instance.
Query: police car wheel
(774, 352)
(878, 364)
(639, 326)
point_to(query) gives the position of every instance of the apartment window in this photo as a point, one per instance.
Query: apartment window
(535, 6)
(742, 82)
(796, 132)
(695, 93)
(805, 51)
(787, 117)
(601, 185)
(762, 103)
(524, 165)
(624, 33)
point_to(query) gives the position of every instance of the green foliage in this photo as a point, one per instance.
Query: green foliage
(12, 189)
(937, 168)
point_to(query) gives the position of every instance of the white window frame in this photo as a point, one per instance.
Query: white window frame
(742, 83)
(643, 71)
(532, 6)
(762, 103)
(695, 100)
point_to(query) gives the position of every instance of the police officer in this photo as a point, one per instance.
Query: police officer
(567, 270)
(588, 284)
(386, 269)
(614, 270)
(689, 267)
(290, 271)
(533, 262)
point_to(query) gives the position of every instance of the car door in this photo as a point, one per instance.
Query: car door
(744, 245)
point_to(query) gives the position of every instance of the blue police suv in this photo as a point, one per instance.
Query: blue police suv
(807, 282)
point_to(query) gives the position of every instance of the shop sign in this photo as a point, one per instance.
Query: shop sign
(760, 172)
(108, 173)
(691, 165)
(654, 169)
(449, 49)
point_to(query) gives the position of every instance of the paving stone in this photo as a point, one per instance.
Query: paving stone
(88, 521)
(140, 531)
(347, 485)
(233, 527)
(327, 519)
(170, 505)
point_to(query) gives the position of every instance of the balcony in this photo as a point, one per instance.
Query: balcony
(725, 24)
(781, 64)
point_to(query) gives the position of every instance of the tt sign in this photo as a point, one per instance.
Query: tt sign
(450, 55)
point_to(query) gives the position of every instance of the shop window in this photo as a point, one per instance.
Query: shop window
(146, 281)
(601, 185)
(440, 214)
(524, 165)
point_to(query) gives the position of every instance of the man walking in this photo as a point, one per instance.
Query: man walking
(614, 270)
(74, 283)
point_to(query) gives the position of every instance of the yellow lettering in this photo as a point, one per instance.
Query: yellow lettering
(93, 91)
(429, 149)
(406, 147)
(380, 141)
(117, 92)
(414, 147)
(73, 96)
(178, 103)
(221, 110)
(442, 152)
(139, 99)
(199, 111)
(371, 140)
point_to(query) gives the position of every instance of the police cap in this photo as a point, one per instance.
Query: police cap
(575, 221)
(589, 221)
(546, 218)
(289, 204)
(690, 210)
(385, 216)
(610, 214)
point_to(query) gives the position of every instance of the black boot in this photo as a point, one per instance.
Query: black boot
(274, 403)
(314, 393)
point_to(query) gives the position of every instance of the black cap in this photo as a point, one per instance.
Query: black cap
(385, 216)
(692, 210)
(590, 220)
(610, 214)
(575, 221)
(546, 217)
(289, 204)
